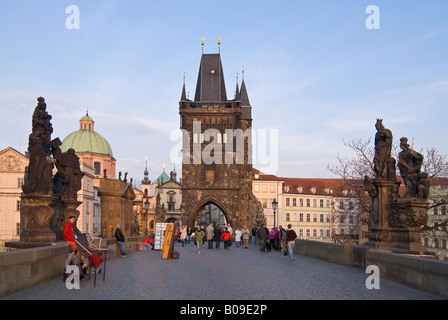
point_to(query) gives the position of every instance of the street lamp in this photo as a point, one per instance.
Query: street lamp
(146, 218)
(274, 206)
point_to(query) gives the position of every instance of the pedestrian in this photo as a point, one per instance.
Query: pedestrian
(229, 228)
(276, 241)
(238, 234)
(189, 232)
(254, 235)
(226, 236)
(290, 240)
(198, 237)
(217, 236)
(282, 239)
(183, 235)
(69, 232)
(203, 238)
(147, 243)
(120, 240)
(209, 233)
(263, 237)
(246, 235)
(270, 242)
(192, 235)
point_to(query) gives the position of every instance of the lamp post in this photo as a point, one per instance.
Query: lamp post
(274, 206)
(146, 216)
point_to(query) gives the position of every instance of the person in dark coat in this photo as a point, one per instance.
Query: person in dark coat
(217, 236)
(120, 240)
(263, 236)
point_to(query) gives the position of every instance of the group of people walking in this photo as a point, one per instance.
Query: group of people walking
(215, 234)
(275, 239)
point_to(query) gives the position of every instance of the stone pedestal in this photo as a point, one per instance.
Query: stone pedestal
(69, 208)
(36, 213)
(395, 223)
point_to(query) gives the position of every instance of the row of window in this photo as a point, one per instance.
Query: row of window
(436, 210)
(315, 233)
(317, 203)
(264, 188)
(436, 243)
(322, 217)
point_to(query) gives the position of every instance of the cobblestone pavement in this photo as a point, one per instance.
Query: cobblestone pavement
(235, 274)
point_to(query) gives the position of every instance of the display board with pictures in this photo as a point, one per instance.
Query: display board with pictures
(159, 234)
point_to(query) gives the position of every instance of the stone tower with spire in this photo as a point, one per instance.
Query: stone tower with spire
(216, 153)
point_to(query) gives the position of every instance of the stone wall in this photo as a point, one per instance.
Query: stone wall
(26, 268)
(422, 273)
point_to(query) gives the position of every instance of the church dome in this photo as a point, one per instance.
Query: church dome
(86, 140)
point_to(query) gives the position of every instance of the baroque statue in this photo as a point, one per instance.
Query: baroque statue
(384, 164)
(409, 164)
(38, 175)
(67, 181)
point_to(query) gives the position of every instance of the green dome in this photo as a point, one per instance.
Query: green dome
(86, 140)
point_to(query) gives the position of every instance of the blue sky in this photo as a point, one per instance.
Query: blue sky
(313, 71)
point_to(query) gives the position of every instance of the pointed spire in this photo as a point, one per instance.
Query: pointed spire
(237, 90)
(184, 94)
(173, 174)
(146, 173)
(243, 95)
(210, 85)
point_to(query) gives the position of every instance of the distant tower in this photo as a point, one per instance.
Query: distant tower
(216, 191)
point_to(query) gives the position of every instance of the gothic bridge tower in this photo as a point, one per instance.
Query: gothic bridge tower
(217, 163)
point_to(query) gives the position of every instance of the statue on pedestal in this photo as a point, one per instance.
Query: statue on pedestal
(41, 211)
(394, 222)
(38, 176)
(67, 181)
(410, 163)
(383, 150)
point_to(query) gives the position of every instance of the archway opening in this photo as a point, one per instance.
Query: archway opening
(211, 213)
